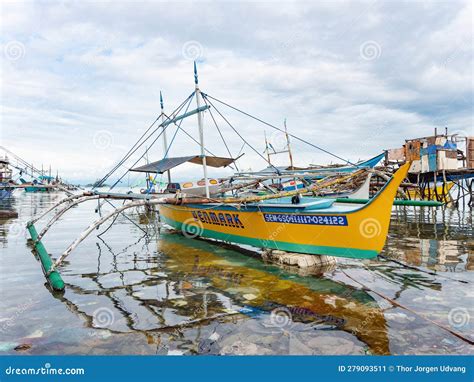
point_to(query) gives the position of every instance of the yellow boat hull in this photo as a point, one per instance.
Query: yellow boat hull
(442, 193)
(356, 233)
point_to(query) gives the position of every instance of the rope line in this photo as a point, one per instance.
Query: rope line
(241, 137)
(395, 303)
(136, 146)
(152, 143)
(220, 133)
(277, 128)
(172, 139)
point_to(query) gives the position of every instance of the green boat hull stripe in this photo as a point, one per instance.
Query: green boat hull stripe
(396, 202)
(281, 245)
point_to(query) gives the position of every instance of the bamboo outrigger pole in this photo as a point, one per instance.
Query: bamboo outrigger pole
(136, 203)
(251, 199)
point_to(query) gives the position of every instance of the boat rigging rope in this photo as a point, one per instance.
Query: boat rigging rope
(152, 143)
(110, 226)
(120, 163)
(277, 128)
(421, 270)
(137, 144)
(241, 137)
(222, 137)
(178, 127)
(395, 303)
(190, 136)
(125, 215)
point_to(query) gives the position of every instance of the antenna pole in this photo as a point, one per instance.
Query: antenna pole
(165, 141)
(201, 130)
(266, 147)
(288, 144)
(289, 152)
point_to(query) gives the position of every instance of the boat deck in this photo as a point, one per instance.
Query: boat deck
(306, 205)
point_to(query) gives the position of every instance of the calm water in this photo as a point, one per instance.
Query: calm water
(136, 290)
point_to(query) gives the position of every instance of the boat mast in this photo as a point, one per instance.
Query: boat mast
(266, 147)
(288, 144)
(289, 153)
(165, 141)
(201, 130)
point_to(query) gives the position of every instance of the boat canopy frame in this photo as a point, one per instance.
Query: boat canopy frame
(163, 165)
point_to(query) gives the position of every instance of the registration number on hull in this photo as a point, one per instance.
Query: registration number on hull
(340, 220)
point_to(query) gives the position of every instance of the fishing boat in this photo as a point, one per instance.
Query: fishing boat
(6, 182)
(34, 186)
(440, 192)
(307, 225)
(43, 183)
(315, 226)
(290, 221)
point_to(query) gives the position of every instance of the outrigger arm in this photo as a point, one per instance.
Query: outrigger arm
(97, 223)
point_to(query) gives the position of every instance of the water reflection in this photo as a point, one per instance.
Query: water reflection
(439, 239)
(134, 293)
(191, 283)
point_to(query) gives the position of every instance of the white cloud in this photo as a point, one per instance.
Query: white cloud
(90, 67)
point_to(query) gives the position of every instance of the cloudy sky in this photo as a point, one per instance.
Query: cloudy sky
(80, 81)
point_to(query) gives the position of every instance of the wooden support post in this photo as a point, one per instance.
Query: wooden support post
(434, 185)
(445, 188)
(469, 190)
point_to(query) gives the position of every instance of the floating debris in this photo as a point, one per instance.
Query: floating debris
(23, 347)
(298, 259)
